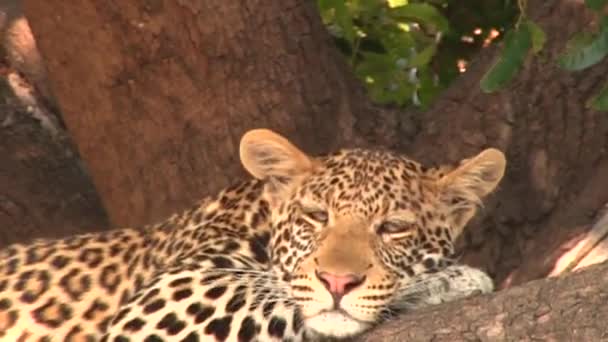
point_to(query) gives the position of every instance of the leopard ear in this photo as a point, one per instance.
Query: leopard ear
(463, 188)
(268, 156)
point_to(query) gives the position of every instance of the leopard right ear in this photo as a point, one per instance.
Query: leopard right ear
(463, 188)
(268, 156)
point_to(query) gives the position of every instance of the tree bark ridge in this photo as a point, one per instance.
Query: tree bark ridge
(569, 308)
(166, 89)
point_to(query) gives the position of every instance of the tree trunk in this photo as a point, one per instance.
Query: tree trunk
(164, 90)
(43, 190)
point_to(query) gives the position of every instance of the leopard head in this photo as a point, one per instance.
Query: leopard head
(351, 229)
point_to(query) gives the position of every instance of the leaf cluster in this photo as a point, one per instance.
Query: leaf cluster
(406, 51)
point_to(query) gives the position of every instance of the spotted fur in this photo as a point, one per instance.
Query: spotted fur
(313, 248)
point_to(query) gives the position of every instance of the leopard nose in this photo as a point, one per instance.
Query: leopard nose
(339, 285)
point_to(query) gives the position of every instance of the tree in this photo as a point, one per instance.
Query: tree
(571, 308)
(150, 90)
(43, 191)
(555, 146)
(167, 90)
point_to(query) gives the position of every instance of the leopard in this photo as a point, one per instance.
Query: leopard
(309, 248)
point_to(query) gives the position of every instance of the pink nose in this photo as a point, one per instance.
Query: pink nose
(339, 285)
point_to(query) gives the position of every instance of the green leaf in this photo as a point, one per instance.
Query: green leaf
(326, 5)
(427, 89)
(596, 5)
(366, 10)
(423, 57)
(517, 43)
(538, 36)
(345, 20)
(604, 22)
(373, 63)
(396, 41)
(582, 52)
(336, 11)
(424, 13)
(579, 40)
(600, 101)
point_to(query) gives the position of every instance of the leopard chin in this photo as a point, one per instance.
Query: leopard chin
(335, 324)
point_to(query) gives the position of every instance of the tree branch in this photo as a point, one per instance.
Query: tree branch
(569, 308)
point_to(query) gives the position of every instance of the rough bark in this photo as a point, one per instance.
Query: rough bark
(43, 190)
(557, 177)
(18, 47)
(570, 308)
(166, 88)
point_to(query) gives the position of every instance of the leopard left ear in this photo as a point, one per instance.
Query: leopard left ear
(463, 188)
(269, 156)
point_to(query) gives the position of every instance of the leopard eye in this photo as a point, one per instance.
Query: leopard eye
(395, 227)
(320, 216)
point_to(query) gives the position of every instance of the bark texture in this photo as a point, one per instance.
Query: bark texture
(570, 308)
(44, 191)
(557, 177)
(165, 89)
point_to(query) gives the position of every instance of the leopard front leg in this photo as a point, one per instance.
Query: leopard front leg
(188, 303)
(450, 284)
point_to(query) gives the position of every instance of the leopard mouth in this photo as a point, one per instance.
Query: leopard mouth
(339, 311)
(336, 323)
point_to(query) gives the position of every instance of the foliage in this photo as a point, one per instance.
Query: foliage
(516, 44)
(407, 51)
(583, 50)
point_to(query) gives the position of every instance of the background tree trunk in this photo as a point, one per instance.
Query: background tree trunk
(43, 189)
(166, 89)
(157, 93)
